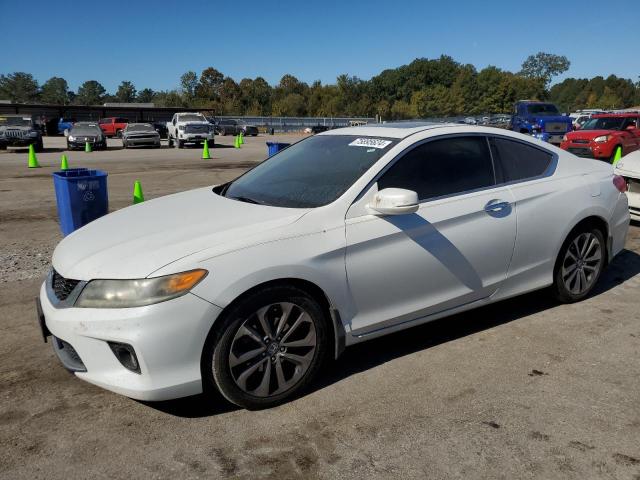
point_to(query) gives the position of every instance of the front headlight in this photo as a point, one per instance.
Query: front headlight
(137, 293)
(33, 134)
(180, 127)
(71, 138)
(601, 139)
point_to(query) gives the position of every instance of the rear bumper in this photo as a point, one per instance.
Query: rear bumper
(167, 338)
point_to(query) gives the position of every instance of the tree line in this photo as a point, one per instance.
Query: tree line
(424, 88)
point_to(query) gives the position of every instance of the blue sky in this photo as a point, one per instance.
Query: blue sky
(152, 43)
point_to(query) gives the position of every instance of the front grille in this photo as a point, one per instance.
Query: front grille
(196, 129)
(62, 287)
(579, 140)
(143, 136)
(581, 152)
(15, 133)
(555, 127)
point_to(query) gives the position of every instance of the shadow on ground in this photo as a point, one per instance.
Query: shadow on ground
(370, 354)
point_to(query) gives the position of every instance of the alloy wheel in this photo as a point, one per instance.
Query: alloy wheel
(582, 263)
(273, 349)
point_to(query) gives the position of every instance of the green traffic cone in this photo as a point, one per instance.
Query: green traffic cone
(237, 142)
(241, 139)
(617, 156)
(87, 147)
(64, 163)
(205, 150)
(138, 196)
(33, 160)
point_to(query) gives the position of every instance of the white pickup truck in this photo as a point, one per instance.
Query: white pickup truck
(189, 127)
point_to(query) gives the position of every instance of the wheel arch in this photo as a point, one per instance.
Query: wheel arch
(591, 220)
(317, 293)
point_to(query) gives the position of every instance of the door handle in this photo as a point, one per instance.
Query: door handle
(495, 206)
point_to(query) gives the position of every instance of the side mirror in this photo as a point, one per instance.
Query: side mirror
(394, 201)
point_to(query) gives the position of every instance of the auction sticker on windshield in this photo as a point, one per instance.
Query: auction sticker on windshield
(370, 143)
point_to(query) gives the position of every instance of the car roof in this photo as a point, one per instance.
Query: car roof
(390, 129)
(616, 115)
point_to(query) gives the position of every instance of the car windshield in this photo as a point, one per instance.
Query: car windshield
(607, 123)
(85, 130)
(140, 127)
(542, 109)
(15, 121)
(310, 173)
(191, 118)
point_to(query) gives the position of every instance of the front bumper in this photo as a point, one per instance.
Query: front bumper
(19, 141)
(599, 151)
(195, 137)
(553, 138)
(81, 144)
(167, 337)
(633, 192)
(142, 141)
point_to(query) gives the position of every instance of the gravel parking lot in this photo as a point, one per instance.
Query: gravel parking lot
(525, 388)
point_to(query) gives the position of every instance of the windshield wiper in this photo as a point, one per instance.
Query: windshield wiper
(245, 199)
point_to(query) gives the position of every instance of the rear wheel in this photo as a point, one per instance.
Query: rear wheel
(267, 348)
(580, 263)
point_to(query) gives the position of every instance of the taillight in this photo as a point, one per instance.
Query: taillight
(620, 183)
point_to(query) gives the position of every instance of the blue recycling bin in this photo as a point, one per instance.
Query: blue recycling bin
(81, 195)
(275, 147)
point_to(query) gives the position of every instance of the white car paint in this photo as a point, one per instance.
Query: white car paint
(376, 277)
(629, 168)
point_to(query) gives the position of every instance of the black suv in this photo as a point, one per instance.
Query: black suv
(20, 131)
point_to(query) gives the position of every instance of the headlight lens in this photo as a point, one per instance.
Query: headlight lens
(564, 138)
(139, 292)
(71, 138)
(601, 139)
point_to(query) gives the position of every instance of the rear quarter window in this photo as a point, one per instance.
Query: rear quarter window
(519, 161)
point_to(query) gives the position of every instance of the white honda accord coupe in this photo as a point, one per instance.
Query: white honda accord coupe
(248, 287)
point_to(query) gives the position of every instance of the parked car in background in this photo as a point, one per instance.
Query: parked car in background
(86, 132)
(65, 124)
(139, 135)
(20, 131)
(604, 136)
(248, 130)
(249, 287)
(113, 126)
(187, 127)
(629, 169)
(581, 116)
(540, 119)
(227, 127)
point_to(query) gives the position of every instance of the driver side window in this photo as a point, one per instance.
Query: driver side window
(442, 167)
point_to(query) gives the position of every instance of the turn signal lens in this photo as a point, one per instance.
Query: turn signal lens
(620, 183)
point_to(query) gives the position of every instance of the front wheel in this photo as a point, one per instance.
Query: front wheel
(267, 348)
(580, 263)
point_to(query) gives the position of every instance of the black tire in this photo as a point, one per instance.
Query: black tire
(179, 143)
(169, 141)
(124, 144)
(39, 146)
(118, 134)
(216, 369)
(560, 289)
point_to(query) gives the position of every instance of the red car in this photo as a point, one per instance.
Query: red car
(603, 135)
(113, 126)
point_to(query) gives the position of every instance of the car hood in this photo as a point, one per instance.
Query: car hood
(629, 165)
(587, 134)
(138, 240)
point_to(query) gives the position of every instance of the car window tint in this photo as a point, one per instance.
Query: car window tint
(519, 161)
(442, 167)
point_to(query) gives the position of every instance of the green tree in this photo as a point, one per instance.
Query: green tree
(90, 92)
(19, 87)
(545, 66)
(293, 105)
(126, 92)
(145, 95)
(188, 84)
(55, 91)
(209, 85)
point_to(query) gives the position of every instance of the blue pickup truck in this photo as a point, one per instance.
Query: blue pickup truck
(540, 119)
